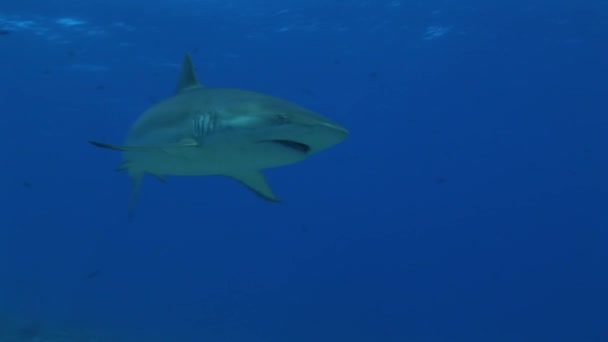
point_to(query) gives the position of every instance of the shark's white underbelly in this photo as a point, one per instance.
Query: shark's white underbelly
(196, 161)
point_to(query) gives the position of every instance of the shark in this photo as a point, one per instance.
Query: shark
(207, 131)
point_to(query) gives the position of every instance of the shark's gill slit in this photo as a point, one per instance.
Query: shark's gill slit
(203, 125)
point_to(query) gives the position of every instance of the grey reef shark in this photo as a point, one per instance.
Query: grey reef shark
(236, 133)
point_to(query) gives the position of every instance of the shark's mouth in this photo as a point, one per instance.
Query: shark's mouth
(290, 144)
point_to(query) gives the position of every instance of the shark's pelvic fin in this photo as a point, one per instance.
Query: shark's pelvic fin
(187, 79)
(256, 181)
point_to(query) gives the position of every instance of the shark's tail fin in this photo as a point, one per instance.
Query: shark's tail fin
(136, 178)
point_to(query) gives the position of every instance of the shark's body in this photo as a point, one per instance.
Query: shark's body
(216, 131)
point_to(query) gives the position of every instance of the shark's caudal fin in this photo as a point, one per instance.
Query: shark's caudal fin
(256, 181)
(135, 188)
(136, 174)
(187, 79)
(136, 178)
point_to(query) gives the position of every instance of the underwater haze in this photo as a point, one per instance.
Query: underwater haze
(468, 203)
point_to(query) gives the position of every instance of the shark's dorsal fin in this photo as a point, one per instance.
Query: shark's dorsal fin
(187, 78)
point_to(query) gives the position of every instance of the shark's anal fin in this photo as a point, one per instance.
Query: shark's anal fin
(256, 181)
(187, 77)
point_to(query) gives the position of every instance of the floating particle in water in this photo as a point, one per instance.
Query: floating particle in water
(92, 274)
(372, 75)
(434, 32)
(70, 22)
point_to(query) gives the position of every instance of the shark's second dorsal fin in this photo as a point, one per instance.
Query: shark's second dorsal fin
(187, 77)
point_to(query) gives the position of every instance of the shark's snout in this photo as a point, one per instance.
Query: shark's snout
(306, 139)
(338, 130)
(320, 137)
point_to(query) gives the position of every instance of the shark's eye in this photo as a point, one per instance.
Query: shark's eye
(281, 119)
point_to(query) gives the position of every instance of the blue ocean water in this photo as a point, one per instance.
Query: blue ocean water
(468, 203)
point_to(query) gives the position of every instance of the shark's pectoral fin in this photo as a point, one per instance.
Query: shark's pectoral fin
(256, 181)
(182, 143)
